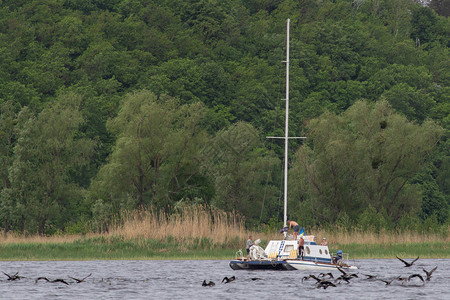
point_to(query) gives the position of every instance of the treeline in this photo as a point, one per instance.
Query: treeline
(128, 104)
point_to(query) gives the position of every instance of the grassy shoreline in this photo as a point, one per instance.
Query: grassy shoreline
(204, 233)
(101, 248)
(405, 250)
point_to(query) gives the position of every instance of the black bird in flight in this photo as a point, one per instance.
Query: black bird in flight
(41, 278)
(14, 277)
(210, 283)
(388, 282)
(48, 280)
(407, 264)
(80, 280)
(326, 274)
(416, 275)
(59, 280)
(345, 276)
(429, 273)
(370, 276)
(226, 279)
(402, 279)
(321, 283)
(324, 284)
(309, 277)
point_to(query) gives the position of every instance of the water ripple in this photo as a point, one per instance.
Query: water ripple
(183, 280)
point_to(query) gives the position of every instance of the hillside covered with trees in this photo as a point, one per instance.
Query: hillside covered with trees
(114, 105)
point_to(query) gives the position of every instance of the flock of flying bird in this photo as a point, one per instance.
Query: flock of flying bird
(224, 280)
(325, 280)
(322, 282)
(60, 280)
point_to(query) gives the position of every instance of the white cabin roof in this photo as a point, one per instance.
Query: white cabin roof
(288, 249)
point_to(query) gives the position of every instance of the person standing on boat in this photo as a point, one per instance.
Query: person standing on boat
(248, 245)
(301, 243)
(296, 228)
(324, 242)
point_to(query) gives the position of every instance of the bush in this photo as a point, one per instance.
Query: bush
(78, 228)
(371, 220)
(343, 221)
(409, 222)
(431, 224)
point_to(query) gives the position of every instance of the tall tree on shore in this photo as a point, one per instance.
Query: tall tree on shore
(366, 156)
(8, 120)
(47, 149)
(156, 153)
(243, 172)
(7, 125)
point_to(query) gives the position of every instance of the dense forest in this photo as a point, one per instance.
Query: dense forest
(114, 105)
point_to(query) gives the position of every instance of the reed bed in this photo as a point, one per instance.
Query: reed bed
(204, 232)
(355, 236)
(352, 237)
(15, 238)
(188, 224)
(214, 229)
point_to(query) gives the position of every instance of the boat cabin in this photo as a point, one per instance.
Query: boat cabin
(288, 249)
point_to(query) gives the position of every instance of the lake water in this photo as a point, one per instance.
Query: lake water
(183, 280)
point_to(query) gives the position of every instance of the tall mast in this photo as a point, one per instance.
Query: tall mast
(286, 130)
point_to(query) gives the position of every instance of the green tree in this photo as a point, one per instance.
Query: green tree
(434, 201)
(423, 22)
(8, 120)
(367, 155)
(386, 78)
(155, 155)
(47, 150)
(414, 104)
(243, 172)
(398, 14)
(7, 125)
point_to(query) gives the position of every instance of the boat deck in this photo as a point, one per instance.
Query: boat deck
(260, 265)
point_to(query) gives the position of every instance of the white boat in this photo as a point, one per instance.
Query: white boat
(318, 257)
(284, 254)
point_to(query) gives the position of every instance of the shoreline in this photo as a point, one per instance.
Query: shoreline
(89, 250)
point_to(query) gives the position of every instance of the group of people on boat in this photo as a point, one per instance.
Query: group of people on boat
(301, 241)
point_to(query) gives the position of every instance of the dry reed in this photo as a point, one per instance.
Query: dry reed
(383, 238)
(194, 224)
(218, 226)
(344, 237)
(188, 224)
(14, 238)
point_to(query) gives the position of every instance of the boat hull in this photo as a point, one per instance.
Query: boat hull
(311, 265)
(279, 265)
